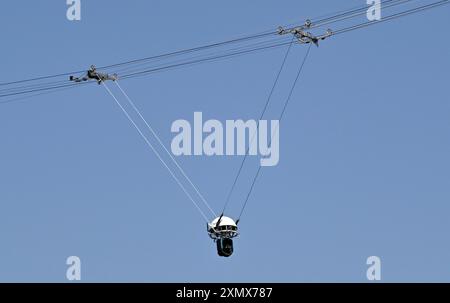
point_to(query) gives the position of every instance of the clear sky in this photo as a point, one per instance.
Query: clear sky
(364, 166)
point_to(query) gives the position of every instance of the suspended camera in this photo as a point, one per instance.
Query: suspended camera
(222, 230)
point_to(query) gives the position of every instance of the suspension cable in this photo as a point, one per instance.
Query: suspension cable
(164, 147)
(384, 5)
(230, 192)
(286, 103)
(155, 151)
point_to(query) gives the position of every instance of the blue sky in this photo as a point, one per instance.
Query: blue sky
(364, 165)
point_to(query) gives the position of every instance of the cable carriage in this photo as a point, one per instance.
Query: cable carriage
(222, 230)
(93, 74)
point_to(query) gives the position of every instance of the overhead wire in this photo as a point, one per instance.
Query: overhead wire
(343, 15)
(56, 85)
(393, 16)
(331, 17)
(130, 69)
(21, 98)
(349, 12)
(52, 87)
(189, 50)
(383, 5)
(40, 78)
(209, 59)
(183, 51)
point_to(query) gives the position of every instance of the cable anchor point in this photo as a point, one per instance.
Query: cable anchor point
(93, 74)
(304, 36)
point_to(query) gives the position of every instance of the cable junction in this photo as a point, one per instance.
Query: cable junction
(303, 36)
(266, 105)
